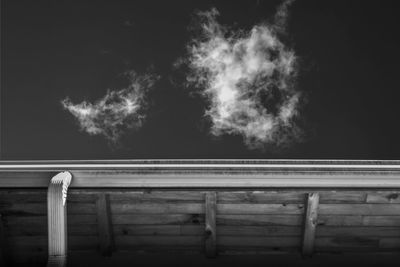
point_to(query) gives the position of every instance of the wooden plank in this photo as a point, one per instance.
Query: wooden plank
(156, 196)
(261, 197)
(359, 209)
(16, 196)
(290, 197)
(347, 220)
(40, 243)
(359, 231)
(310, 223)
(158, 219)
(340, 220)
(342, 242)
(137, 241)
(198, 230)
(248, 209)
(262, 220)
(23, 196)
(247, 196)
(266, 242)
(381, 220)
(81, 196)
(190, 208)
(41, 230)
(211, 225)
(57, 219)
(41, 208)
(332, 197)
(383, 197)
(75, 219)
(267, 231)
(105, 225)
(158, 230)
(156, 208)
(167, 196)
(5, 253)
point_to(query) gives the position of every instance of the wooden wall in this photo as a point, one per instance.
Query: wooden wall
(247, 221)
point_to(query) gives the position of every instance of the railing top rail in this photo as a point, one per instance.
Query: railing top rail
(203, 162)
(205, 173)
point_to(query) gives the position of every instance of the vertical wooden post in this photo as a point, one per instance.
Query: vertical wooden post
(104, 225)
(310, 223)
(57, 219)
(211, 225)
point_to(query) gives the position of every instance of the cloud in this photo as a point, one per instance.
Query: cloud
(117, 111)
(248, 77)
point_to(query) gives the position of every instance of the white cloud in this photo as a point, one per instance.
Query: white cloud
(117, 111)
(248, 78)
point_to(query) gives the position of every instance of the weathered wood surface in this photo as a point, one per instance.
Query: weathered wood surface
(310, 223)
(211, 225)
(104, 223)
(190, 208)
(198, 230)
(358, 231)
(294, 196)
(246, 220)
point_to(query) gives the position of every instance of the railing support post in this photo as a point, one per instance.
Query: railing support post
(57, 219)
(310, 223)
(211, 225)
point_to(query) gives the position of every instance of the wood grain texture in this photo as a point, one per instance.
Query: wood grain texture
(248, 218)
(211, 225)
(266, 242)
(260, 220)
(158, 219)
(156, 196)
(146, 241)
(310, 223)
(358, 231)
(157, 208)
(198, 230)
(104, 223)
(359, 209)
(41, 230)
(197, 208)
(37, 221)
(383, 197)
(346, 242)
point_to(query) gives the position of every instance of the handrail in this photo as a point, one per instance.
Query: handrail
(205, 173)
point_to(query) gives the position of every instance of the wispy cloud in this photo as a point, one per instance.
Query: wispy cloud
(248, 78)
(117, 111)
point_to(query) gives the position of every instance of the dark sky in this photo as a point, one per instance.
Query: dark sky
(349, 71)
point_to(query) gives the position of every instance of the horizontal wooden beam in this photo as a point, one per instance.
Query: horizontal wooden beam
(206, 174)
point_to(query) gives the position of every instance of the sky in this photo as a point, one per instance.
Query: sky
(245, 79)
